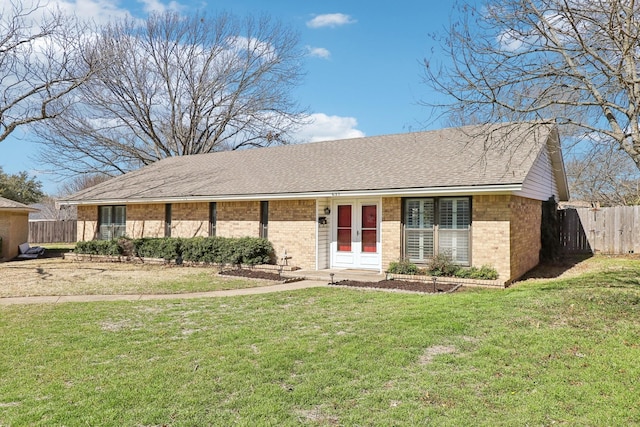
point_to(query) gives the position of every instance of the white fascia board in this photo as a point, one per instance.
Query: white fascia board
(400, 192)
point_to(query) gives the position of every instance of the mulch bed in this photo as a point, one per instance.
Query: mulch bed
(252, 274)
(425, 287)
(403, 285)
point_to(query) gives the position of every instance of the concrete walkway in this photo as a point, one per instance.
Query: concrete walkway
(293, 286)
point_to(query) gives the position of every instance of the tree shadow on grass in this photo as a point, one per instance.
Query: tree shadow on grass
(553, 270)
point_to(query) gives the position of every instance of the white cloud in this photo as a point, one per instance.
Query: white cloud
(104, 11)
(318, 52)
(330, 20)
(322, 127)
(160, 7)
(99, 11)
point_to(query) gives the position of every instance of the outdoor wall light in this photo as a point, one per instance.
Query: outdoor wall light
(327, 211)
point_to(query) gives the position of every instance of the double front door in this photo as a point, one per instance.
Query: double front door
(356, 234)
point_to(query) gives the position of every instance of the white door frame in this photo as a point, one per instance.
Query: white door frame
(356, 258)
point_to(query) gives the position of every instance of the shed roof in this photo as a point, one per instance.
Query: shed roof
(497, 156)
(10, 205)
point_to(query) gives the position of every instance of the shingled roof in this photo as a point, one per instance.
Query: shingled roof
(498, 156)
(10, 205)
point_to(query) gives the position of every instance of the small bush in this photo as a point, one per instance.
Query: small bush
(158, 247)
(403, 267)
(99, 247)
(442, 265)
(484, 273)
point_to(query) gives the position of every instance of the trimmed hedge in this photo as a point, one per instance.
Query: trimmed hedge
(214, 250)
(99, 247)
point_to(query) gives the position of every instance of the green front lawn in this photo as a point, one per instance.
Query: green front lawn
(540, 353)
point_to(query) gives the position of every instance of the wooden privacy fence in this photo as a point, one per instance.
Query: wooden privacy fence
(52, 231)
(611, 230)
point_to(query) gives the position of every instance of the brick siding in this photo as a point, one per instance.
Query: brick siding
(145, 220)
(526, 242)
(491, 233)
(292, 227)
(391, 230)
(87, 223)
(238, 219)
(506, 234)
(190, 219)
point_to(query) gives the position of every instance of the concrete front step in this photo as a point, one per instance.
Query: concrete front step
(338, 275)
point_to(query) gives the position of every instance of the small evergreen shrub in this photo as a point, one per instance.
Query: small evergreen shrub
(485, 272)
(442, 265)
(254, 251)
(99, 247)
(403, 267)
(158, 247)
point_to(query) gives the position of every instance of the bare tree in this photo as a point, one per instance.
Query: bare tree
(604, 174)
(178, 85)
(81, 182)
(571, 61)
(39, 54)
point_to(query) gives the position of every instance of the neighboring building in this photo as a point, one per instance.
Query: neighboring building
(14, 227)
(358, 203)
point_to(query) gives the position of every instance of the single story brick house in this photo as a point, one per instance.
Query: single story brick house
(14, 227)
(474, 193)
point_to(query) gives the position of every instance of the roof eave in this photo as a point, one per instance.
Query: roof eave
(399, 192)
(18, 210)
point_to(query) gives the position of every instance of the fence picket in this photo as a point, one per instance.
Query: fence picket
(52, 231)
(609, 230)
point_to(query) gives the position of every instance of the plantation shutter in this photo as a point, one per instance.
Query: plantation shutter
(419, 229)
(454, 229)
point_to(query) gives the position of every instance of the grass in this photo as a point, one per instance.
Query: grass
(544, 352)
(55, 276)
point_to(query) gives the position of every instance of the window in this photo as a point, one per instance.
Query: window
(264, 219)
(213, 218)
(112, 222)
(437, 225)
(167, 220)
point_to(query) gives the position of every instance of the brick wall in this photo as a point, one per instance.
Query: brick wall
(491, 233)
(145, 220)
(506, 234)
(292, 227)
(190, 219)
(238, 219)
(87, 223)
(526, 217)
(391, 230)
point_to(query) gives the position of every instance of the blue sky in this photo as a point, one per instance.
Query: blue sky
(363, 69)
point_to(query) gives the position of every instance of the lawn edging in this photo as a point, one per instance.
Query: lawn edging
(160, 261)
(497, 283)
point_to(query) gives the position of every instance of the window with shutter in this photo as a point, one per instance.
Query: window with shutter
(437, 225)
(112, 222)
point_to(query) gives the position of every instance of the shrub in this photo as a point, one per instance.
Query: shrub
(201, 249)
(158, 247)
(254, 251)
(483, 273)
(99, 247)
(403, 267)
(218, 250)
(442, 265)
